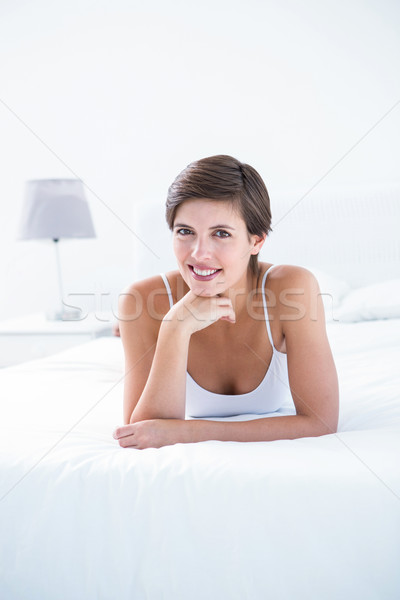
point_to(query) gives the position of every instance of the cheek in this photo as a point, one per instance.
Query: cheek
(235, 255)
(181, 251)
(178, 247)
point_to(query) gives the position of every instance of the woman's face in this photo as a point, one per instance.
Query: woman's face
(212, 246)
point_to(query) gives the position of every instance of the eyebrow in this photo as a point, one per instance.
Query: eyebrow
(221, 226)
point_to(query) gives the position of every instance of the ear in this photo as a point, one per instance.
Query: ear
(258, 242)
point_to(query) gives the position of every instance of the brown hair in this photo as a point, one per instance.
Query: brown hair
(223, 177)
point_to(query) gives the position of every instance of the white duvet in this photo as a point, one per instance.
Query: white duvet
(314, 518)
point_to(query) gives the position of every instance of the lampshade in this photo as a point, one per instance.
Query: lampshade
(55, 208)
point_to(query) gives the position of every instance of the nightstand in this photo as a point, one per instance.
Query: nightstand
(33, 336)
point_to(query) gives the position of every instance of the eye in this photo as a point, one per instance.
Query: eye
(221, 233)
(183, 231)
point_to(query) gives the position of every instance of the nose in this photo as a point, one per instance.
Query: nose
(201, 249)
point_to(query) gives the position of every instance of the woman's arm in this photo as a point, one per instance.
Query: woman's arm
(152, 352)
(156, 433)
(164, 393)
(312, 373)
(156, 354)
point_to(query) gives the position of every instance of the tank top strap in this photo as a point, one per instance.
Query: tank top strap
(168, 288)
(264, 279)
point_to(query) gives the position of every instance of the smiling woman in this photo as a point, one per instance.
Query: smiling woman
(224, 335)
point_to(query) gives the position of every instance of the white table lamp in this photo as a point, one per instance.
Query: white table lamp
(55, 209)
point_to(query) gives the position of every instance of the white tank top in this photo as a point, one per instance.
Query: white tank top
(269, 396)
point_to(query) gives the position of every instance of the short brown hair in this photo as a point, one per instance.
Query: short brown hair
(223, 177)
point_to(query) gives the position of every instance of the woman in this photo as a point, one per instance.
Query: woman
(224, 335)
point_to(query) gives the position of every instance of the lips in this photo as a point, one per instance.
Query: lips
(203, 274)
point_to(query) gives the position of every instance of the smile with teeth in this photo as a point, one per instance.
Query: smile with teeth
(204, 272)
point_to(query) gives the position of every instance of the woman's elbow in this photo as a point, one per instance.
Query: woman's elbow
(326, 426)
(136, 418)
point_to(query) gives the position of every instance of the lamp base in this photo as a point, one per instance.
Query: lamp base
(64, 314)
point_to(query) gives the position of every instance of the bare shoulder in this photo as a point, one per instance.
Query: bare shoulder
(294, 296)
(147, 298)
(285, 276)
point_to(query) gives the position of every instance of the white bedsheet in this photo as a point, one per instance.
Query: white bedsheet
(82, 518)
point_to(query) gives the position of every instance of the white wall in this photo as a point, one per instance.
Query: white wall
(124, 94)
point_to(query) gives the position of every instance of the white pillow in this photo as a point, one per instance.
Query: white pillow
(332, 291)
(377, 301)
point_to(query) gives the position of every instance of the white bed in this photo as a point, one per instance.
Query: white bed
(314, 518)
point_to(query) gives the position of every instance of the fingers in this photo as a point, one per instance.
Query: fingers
(127, 442)
(203, 319)
(123, 431)
(214, 307)
(125, 435)
(194, 312)
(225, 310)
(230, 319)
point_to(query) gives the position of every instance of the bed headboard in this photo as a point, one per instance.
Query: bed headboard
(351, 233)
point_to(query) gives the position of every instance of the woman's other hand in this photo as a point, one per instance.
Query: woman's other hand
(153, 433)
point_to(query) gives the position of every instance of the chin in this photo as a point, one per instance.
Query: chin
(207, 291)
(201, 291)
